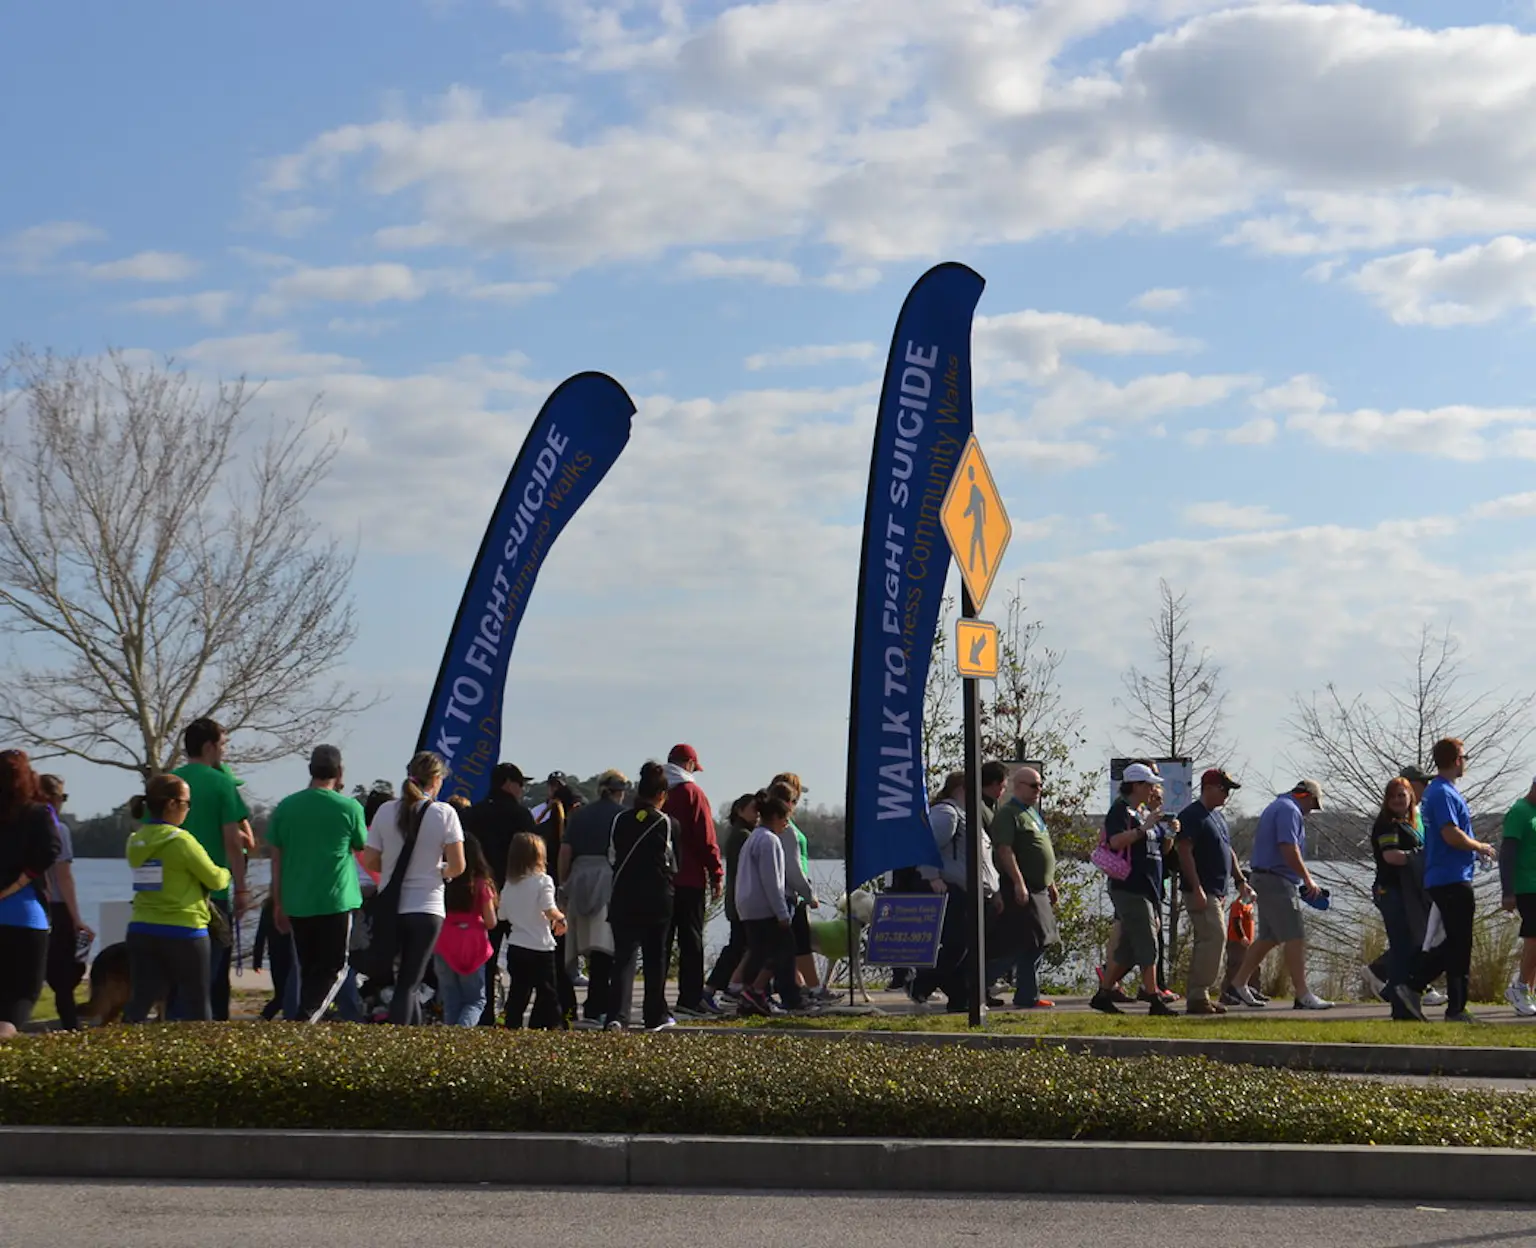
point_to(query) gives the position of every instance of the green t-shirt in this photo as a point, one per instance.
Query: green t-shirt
(216, 801)
(1520, 825)
(318, 831)
(1033, 848)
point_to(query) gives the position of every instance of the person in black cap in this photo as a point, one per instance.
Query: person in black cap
(312, 836)
(1209, 867)
(494, 822)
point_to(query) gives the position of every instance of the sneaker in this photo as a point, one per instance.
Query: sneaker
(1412, 1001)
(613, 1026)
(1311, 1002)
(1434, 997)
(1372, 983)
(1040, 1003)
(1228, 997)
(1245, 996)
(1204, 1006)
(690, 1011)
(1261, 998)
(1104, 1003)
(666, 1024)
(1463, 1017)
(1163, 994)
(731, 992)
(1161, 1009)
(588, 1024)
(1519, 996)
(823, 994)
(710, 1006)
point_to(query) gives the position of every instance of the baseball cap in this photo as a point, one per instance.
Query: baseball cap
(1140, 773)
(1216, 775)
(325, 761)
(1312, 787)
(555, 777)
(1415, 774)
(507, 773)
(684, 754)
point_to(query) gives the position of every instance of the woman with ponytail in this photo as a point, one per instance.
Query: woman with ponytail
(172, 876)
(416, 845)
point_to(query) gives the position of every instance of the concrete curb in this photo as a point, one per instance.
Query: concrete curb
(1349, 1059)
(714, 1162)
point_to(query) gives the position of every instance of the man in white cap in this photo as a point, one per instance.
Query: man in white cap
(1281, 880)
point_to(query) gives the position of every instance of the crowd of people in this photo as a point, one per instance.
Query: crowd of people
(371, 901)
(1425, 856)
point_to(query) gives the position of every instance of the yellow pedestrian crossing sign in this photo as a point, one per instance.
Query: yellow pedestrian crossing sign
(976, 649)
(975, 522)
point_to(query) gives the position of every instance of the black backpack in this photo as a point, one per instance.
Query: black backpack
(379, 946)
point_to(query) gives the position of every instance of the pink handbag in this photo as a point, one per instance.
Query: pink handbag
(1115, 863)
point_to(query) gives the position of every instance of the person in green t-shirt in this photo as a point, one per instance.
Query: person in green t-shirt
(217, 821)
(1517, 877)
(1026, 865)
(312, 835)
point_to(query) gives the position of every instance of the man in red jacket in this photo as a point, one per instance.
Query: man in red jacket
(699, 867)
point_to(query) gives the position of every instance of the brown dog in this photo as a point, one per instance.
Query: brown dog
(111, 986)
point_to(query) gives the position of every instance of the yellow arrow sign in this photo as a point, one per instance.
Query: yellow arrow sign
(975, 522)
(976, 649)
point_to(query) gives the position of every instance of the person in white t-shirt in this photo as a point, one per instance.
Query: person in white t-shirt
(437, 856)
(528, 905)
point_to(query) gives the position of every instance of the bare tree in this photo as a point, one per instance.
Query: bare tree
(157, 564)
(1179, 708)
(1355, 743)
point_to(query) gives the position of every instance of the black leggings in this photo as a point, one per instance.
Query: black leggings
(532, 972)
(159, 964)
(418, 938)
(1453, 955)
(64, 973)
(771, 946)
(23, 965)
(320, 941)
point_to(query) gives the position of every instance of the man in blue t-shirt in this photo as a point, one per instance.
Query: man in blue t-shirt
(1450, 862)
(1281, 881)
(1208, 866)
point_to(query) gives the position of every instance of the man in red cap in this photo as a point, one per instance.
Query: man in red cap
(1209, 867)
(698, 868)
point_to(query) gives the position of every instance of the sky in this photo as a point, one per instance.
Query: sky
(1258, 319)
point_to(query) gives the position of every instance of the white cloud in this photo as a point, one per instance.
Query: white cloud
(800, 357)
(1031, 345)
(1455, 433)
(144, 266)
(864, 125)
(1470, 287)
(1079, 398)
(33, 247)
(509, 292)
(1162, 299)
(263, 355)
(208, 306)
(1302, 393)
(769, 272)
(1509, 507)
(1231, 516)
(349, 283)
(1260, 431)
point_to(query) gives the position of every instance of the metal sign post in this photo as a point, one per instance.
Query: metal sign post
(976, 523)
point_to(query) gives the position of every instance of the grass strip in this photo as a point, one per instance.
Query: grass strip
(278, 1076)
(1288, 1029)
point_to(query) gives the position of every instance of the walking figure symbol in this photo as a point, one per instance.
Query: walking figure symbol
(976, 510)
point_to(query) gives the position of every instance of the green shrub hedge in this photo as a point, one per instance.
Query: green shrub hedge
(484, 1079)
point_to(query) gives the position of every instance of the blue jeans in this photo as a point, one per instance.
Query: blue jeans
(1401, 950)
(463, 995)
(1025, 965)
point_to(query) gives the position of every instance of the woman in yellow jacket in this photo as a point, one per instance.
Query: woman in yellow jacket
(172, 877)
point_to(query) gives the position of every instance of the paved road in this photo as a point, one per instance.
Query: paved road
(251, 1216)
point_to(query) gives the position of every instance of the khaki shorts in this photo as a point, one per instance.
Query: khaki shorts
(1138, 929)
(1279, 907)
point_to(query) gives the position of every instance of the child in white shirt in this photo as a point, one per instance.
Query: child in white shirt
(528, 904)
